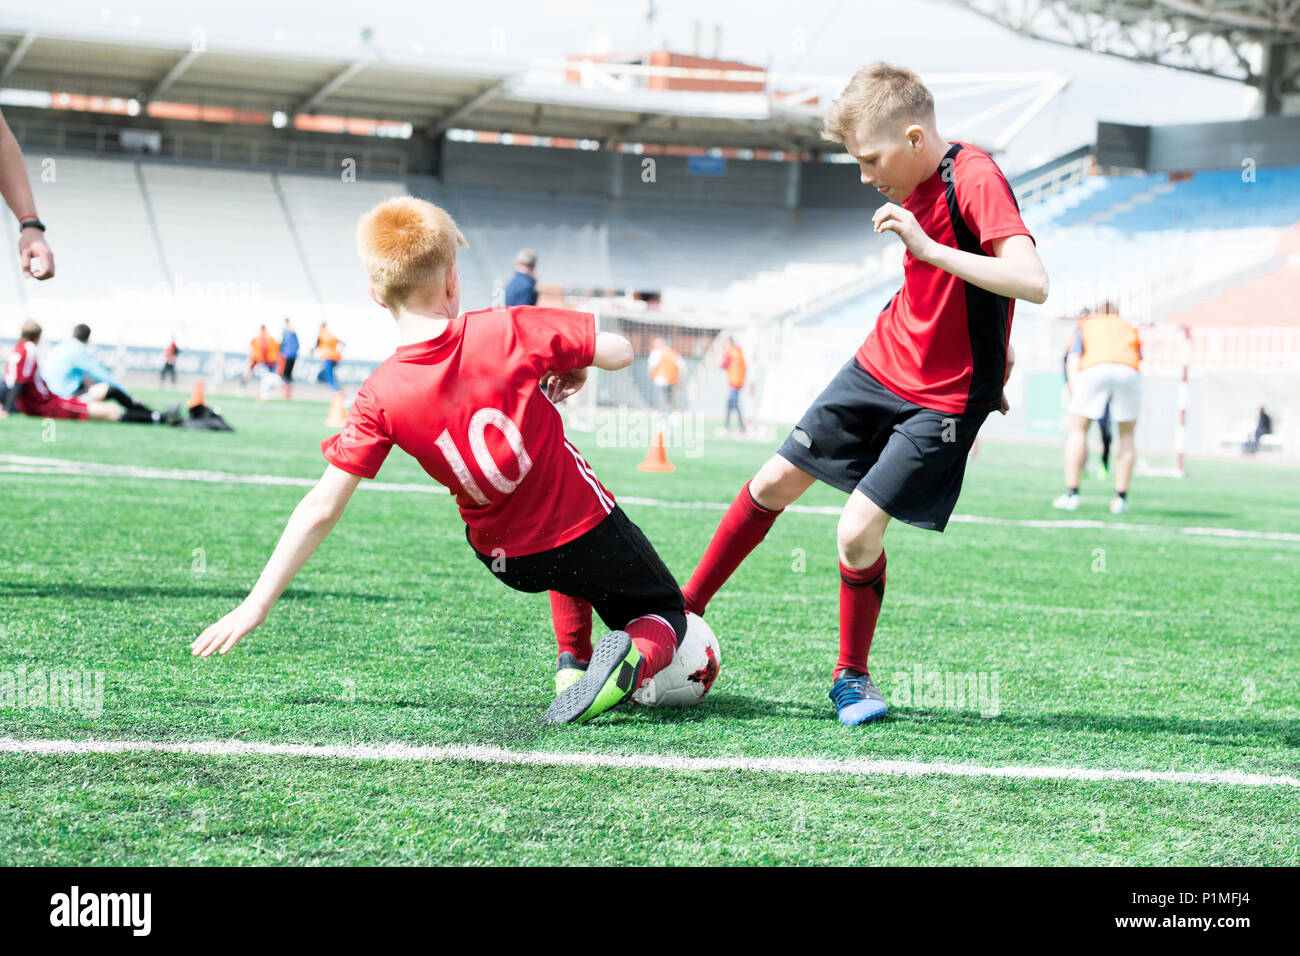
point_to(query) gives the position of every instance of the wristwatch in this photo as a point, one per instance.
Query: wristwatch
(31, 224)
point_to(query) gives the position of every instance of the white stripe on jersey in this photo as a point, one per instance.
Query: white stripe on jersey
(589, 477)
(586, 466)
(582, 462)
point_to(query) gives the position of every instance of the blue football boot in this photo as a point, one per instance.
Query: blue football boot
(856, 698)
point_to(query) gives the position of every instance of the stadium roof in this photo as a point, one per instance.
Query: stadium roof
(602, 101)
(1231, 39)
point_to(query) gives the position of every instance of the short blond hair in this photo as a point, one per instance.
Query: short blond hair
(878, 93)
(407, 244)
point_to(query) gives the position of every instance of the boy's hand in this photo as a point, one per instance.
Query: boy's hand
(226, 633)
(560, 387)
(892, 217)
(31, 245)
(1004, 406)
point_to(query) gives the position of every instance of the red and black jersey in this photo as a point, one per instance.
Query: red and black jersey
(20, 369)
(941, 342)
(468, 407)
(36, 399)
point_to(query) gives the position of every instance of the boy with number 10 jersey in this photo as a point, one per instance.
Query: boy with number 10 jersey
(470, 397)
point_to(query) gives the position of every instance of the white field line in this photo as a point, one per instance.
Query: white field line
(495, 755)
(20, 464)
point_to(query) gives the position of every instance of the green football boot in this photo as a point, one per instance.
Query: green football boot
(568, 671)
(610, 678)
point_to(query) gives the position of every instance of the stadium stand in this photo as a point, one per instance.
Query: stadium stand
(103, 199)
(221, 226)
(284, 243)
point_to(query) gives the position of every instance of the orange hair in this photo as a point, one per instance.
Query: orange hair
(406, 244)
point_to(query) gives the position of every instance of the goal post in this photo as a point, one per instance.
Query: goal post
(1166, 396)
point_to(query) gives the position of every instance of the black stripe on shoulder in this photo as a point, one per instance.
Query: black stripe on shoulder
(986, 312)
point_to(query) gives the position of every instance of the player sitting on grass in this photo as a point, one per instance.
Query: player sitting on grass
(470, 398)
(894, 426)
(71, 370)
(25, 391)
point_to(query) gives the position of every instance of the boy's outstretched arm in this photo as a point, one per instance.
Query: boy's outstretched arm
(1014, 270)
(613, 352)
(313, 519)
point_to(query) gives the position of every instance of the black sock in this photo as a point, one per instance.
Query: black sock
(139, 413)
(1072, 491)
(115, 394)
(1122, 495)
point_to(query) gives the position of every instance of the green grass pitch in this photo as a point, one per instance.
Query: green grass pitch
(1139, 649)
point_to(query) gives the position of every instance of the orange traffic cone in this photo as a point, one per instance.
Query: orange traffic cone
(656, 459)
(197, 397)
(338, 414)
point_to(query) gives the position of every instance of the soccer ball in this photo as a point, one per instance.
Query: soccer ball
(694, 668)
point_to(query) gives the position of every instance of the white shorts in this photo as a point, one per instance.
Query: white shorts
(1120, 385)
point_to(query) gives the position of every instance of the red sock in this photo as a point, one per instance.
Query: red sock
(861, 593)
(744, 525)
(656, 640)
(571, 618)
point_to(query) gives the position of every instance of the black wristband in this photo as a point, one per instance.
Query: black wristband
(31, 224)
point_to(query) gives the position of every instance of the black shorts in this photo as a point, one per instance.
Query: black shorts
(613, 566)
(289, 363)
(909, 460)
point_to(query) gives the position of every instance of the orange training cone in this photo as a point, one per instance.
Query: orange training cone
(197, 397)
(656, 459)
(338, 414)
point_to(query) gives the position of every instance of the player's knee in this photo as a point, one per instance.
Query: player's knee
(859, 541)
(777, 484)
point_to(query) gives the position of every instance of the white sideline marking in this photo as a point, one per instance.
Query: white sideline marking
(495, 755)
(20, 464)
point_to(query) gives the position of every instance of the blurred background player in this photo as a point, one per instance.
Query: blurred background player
(1102, 368)
(1263, 426)
(328, 350)
(288, 357)
(72, 371)
(1104, 424)
(894, 426)
(26, 392)
(17, 191)
(169, 364)
(470, 397)
(733, 363)
(664, 366)
(522, 287)
(263, 360)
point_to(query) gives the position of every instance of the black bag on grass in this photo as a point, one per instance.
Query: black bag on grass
(204, 418)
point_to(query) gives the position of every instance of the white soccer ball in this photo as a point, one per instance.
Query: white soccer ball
(694, 668)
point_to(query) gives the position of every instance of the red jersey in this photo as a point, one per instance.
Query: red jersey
(941, 342)
(36, 398)
(468, 407)
(21, 368)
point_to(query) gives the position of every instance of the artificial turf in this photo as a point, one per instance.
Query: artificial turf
(1144, 648)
